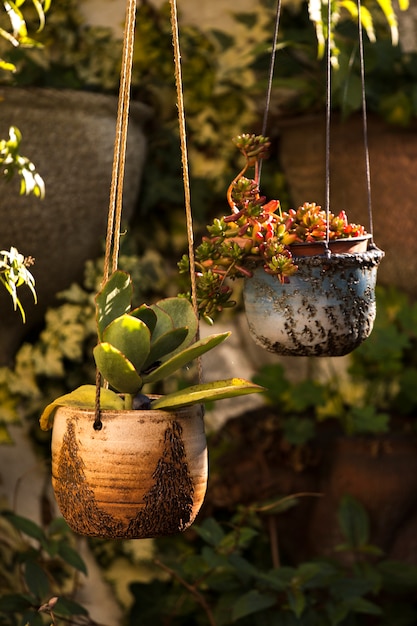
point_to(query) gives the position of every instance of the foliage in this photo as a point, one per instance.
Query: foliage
(228, 576)
(14, 273)
(386, 363)
(39, 573)
(318, 13)
(144, 345)
(299, 84)
(14, 266)
(17, 32)
(256, 233)
(59, 358)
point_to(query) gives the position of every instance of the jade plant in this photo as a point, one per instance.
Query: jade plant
(142, 346)
(257, 233)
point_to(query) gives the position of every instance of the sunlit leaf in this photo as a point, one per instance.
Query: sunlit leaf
(83, 397)
(131, 337)
(218, 390)
(113, 300)
(117, 369)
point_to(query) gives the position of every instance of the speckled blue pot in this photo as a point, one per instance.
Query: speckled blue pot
(326, 309)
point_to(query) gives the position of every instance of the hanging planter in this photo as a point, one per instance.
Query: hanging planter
(143, 474)
(326, 308)
(309, 274)
(127, 464)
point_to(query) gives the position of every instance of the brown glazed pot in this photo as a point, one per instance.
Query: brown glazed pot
(144, 474)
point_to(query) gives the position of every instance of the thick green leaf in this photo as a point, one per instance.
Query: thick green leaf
(164, 322)
(113, 300)
(145, 314)
(131, 337)
(252, 602)
(165, 345)
(83, 397)
(119, 372)
(217, 390)
(186, 356)
(182, 313)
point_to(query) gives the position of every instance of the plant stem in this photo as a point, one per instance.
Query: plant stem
(234, 181)
(194, 592)
(273, 536)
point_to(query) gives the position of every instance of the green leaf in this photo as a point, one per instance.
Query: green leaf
(296, 600)
(252, 602)
(218, 390)
(398, 575)
(15, 602)
(184, 357)
(83, 397)
(165, 345)
(354, 522)
(66, 608)
(362, 605)
(26, 526)
(182, 314)
(164, 322)
(211, 531)
(32, 618)
(145, 314)
(366, 419)
(117, 369)
(36, 579)
(298, 430)
(113, 300)
(131, 337)
(72, 557)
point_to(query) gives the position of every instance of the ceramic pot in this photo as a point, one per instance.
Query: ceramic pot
(144, 474)
(326, 309)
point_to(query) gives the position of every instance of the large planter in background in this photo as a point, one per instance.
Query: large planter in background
(69, 135)
(144, 474)
(393, 160)
(327, 308)
(259, 465)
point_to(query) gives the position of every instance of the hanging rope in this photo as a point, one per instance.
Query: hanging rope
(119, 158)
(119, 155)
(184, 159)
(365, 123)
(328, 116)
(270, 79)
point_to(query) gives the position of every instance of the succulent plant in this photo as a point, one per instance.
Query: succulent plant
(142, 346)
(256, 232)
